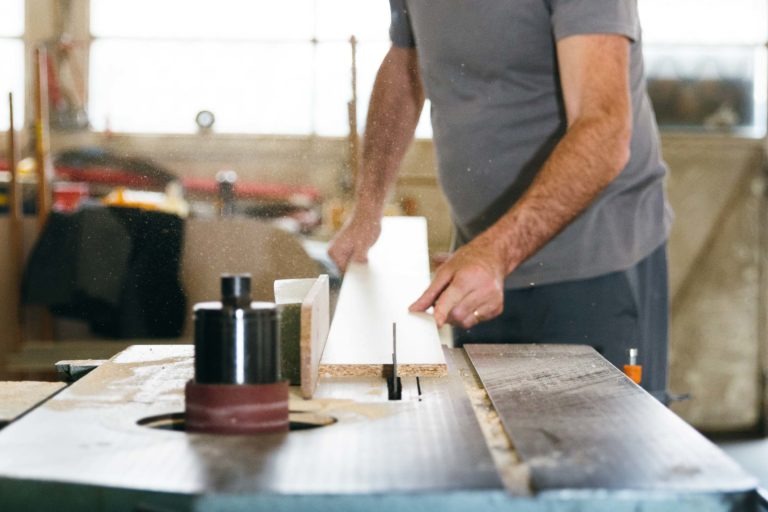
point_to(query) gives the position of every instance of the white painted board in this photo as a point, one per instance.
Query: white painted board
(377, 293)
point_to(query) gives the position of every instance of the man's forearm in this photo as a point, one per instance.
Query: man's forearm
(591, 154)
(394, 110)
(595, 149)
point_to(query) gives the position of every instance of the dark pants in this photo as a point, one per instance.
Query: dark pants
(612, 313)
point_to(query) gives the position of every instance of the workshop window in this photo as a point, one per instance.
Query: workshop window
(260, 67)
(11, 60)
(706, 63)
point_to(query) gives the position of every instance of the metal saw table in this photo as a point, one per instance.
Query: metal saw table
(584, 436)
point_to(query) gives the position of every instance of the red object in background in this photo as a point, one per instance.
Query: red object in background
(81, 177)
(67, 196)
(251, 190)
(106, 176)
(201, 186)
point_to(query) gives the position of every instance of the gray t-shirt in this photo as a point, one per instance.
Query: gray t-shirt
(489, 69)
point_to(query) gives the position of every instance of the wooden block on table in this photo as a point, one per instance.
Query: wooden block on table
(374, 295)
(70, 370)
(303, 328)
(290, 335)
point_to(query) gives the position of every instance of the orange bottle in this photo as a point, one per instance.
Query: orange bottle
(633, 370)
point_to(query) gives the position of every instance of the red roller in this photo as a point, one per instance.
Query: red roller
(237, 408)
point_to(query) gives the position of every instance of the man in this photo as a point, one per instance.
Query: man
(548, 154)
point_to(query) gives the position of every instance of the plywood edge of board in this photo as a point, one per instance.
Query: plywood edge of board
(305, 326)
(379, 370)
(315, 321)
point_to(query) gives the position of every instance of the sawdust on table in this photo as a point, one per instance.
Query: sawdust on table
(17, 397)
(335, 406)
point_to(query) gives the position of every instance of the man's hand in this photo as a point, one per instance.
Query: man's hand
(354, 239)
(469, 287)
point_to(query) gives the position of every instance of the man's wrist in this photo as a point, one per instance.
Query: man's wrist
(502, 242)
(367, 212)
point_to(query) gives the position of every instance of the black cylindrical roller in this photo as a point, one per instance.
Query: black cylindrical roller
(236, 341)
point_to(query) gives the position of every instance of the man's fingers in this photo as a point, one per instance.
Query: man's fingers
(487, 302)
(476, 306)
(466, 290)
(468, 321)
(340, 256)
(468, 311)
(430, 295)
(447, 301)
(344, 253)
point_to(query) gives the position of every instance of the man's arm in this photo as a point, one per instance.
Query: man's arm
(393, 113)
(594, 74)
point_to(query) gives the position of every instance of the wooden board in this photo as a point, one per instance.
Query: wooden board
(581, 424)
(315, 323)
(313, 298)
(86, 442)
(378, 293)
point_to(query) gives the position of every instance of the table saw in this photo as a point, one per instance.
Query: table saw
(483, 428)
(511, 427)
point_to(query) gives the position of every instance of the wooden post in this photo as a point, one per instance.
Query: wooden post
(16, 219)
(42, 141)
(353, 147)
(42, 163)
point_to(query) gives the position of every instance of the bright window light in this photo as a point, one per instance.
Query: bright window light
(704, 22)
(284, 67)
(11, 18)
(338, 19)
(333, 89)
(203, 19)
(706, 62)
(11, 61)
(159, 87)
(260, 67)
